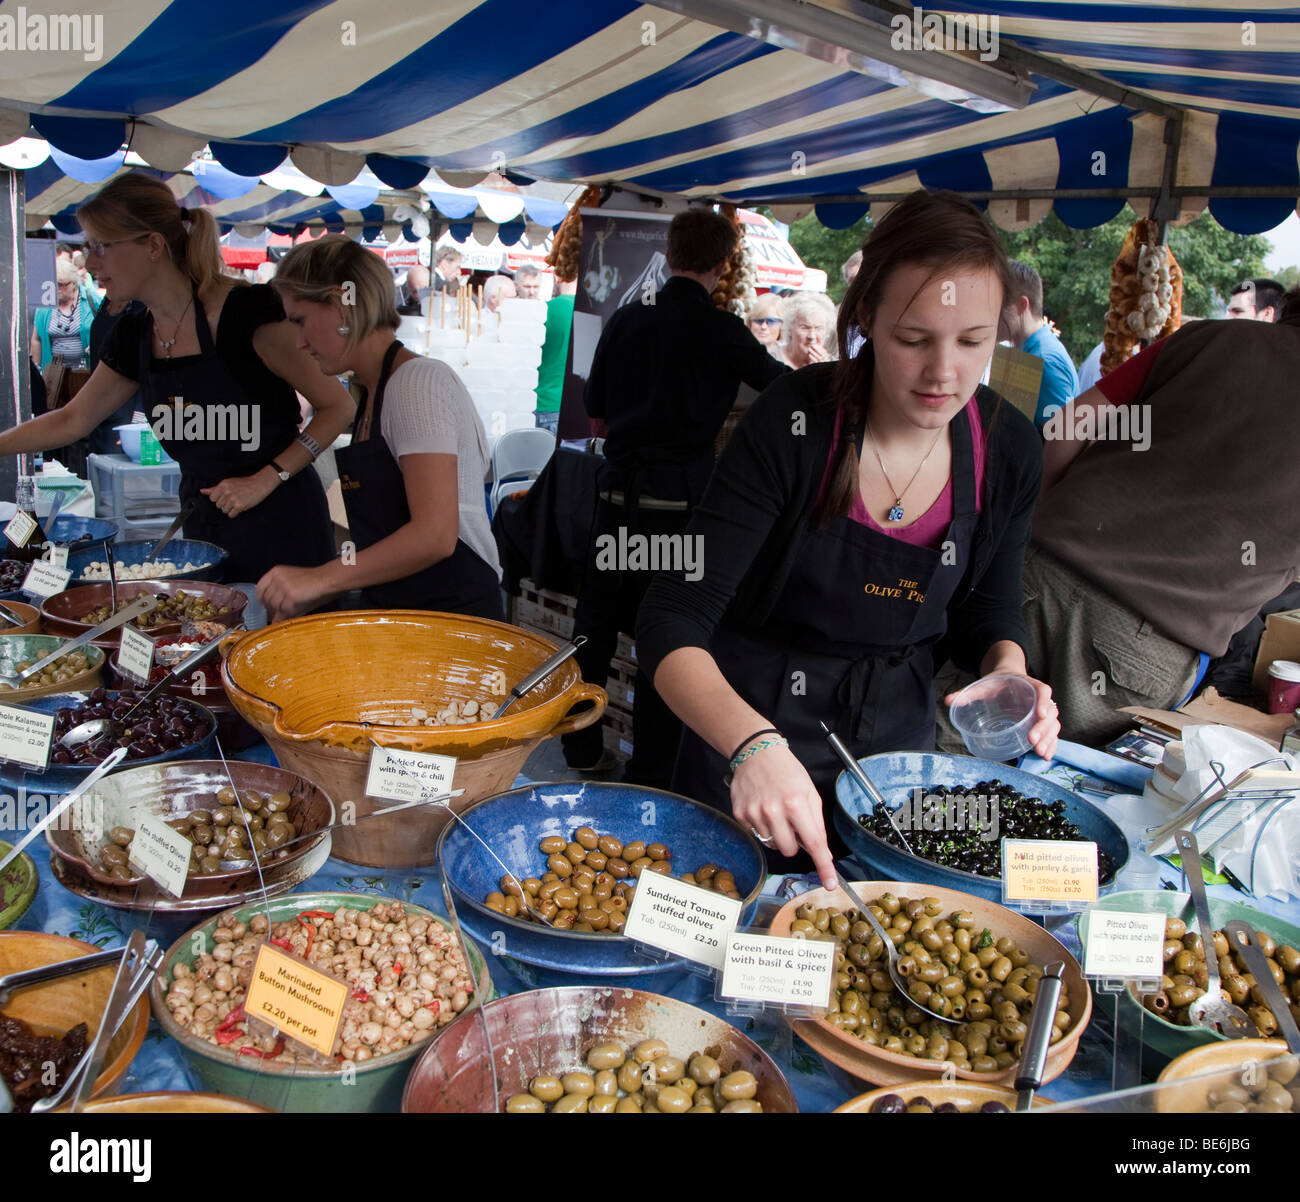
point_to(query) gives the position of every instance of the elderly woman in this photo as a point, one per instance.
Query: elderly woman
(765, 322)
(63, 330)
(809, 319)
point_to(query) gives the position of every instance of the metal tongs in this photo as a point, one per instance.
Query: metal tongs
(1038, 1039)
(540, 673)
(1211, 1010)
(128, 988)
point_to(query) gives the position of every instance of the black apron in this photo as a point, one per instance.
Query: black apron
(849, 643)
(292, 526)
(374, 494)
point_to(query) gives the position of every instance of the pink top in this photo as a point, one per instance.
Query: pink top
(929, 529)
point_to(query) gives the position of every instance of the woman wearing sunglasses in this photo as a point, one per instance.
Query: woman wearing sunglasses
(765, 322)
(217, 367)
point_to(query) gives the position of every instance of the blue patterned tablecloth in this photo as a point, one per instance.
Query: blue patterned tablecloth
(160, 1066)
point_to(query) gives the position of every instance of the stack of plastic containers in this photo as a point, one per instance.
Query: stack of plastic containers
(498, 361)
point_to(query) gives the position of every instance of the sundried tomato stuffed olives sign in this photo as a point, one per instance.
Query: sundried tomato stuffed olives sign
(301, 1002)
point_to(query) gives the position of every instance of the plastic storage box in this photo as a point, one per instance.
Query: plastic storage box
(140, 498)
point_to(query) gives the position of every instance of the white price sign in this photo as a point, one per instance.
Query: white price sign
(409, 775)
(785, 972)
(25, 737)
(44, 580)
(135, 655)
(161, 853)
(682, 919)
(58, 556)
(20, 529)
(1124, 946)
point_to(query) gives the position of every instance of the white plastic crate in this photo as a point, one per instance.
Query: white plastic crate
(126, 490)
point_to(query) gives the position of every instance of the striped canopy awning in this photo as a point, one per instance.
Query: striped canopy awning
(1072, 104)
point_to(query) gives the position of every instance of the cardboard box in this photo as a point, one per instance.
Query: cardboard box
(1281, 641)
(617, 732)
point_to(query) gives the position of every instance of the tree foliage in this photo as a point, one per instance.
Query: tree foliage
(1075, 265)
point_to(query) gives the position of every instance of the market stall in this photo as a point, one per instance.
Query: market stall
(434, 936)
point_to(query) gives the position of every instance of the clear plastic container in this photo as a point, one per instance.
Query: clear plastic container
(994, 716)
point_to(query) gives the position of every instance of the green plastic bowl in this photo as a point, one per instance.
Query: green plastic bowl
(1158, 1034)
(302, 1088)
(17, 887)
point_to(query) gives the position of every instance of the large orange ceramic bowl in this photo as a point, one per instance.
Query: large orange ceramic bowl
(319, 689)
(55, 1007)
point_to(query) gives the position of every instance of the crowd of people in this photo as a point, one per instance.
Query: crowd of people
(878, 519)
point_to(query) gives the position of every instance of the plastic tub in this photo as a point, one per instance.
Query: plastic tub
(130, 436)
(993, 716)
(1283, 686)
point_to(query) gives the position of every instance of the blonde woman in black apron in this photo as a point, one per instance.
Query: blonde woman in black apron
(412, 480)
(867, 521)
(218, 369)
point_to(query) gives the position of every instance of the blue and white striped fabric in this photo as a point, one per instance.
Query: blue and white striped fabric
(619, 91)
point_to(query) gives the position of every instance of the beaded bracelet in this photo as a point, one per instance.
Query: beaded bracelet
(755, 748)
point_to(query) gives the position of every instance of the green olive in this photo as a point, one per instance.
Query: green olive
(738, 1085)
(547, 1088)
(525, 1103)
(606, 1056)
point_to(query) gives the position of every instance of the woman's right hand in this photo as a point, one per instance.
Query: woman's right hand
(773, 795)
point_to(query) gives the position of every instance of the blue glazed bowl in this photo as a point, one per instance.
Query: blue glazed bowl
(896, 774)
(60, 778)
(68, 530)
(513, 824)
(209, 556)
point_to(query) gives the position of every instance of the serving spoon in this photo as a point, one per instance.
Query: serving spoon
(891, 952)
(92, 728)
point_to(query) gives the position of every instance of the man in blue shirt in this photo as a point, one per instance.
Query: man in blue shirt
(1022, 325)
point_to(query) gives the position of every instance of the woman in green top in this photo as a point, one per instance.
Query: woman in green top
(555, 355)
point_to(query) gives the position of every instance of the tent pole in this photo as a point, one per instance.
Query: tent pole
(1165, 207)
(17, 390)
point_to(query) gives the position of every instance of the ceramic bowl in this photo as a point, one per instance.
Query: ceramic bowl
(64, 612)
(20, 648)
(965, 1095)
(551, 1031)
(61, 778)
(513, 824)
(876, 1066)
(1159, 1034)
(319, 689)
(207, 558)
(18, 885)
(1189, 1077)
(31, 616)
(373, 1085)
(55, 1007)
(897, 774)
(174, 1102)
(175, 789)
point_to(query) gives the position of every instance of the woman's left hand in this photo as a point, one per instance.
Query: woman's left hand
(288, 591)
(1044, 733)
(238, 494)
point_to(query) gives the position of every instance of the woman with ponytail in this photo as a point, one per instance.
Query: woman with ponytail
(867, 520)
(217, 367)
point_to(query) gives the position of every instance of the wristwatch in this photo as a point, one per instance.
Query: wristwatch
(279, 471)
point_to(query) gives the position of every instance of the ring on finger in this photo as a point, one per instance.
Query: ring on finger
(765, 840)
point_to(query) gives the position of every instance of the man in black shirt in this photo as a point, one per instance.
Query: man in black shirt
(664, 377)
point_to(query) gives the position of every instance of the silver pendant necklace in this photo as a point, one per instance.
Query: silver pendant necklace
(168, 343)
(896, 510)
